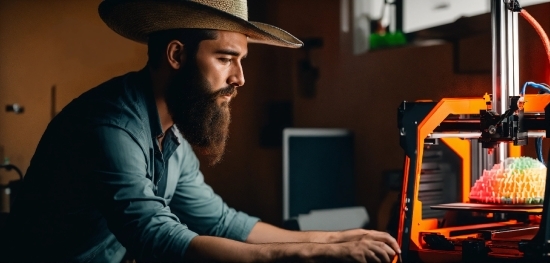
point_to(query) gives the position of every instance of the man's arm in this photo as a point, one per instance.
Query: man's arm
(215, 249)
(198, 206)
(205, 213)
(265, 233)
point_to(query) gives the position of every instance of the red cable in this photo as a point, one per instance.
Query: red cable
(539, 30)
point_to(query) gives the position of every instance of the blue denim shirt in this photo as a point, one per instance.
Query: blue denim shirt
(99, 185)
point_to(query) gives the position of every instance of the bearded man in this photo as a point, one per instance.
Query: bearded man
(116, 174)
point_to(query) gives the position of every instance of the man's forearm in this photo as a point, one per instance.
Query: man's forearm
(265, 233)
(215, 249)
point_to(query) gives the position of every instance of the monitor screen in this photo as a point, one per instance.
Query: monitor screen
(318, 171)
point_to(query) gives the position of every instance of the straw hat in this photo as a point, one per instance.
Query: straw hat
(136, 19)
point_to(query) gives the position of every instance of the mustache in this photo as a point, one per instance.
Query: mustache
(227, 91)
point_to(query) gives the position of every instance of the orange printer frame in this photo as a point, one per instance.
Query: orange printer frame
(426, 117)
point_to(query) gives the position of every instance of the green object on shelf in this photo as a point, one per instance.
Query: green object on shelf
(396, 39)
(376, 41)
(387, 40)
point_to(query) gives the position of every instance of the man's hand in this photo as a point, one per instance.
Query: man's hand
(363, 234)
(365, 250)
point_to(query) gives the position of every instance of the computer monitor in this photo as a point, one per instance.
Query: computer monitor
(318, 170)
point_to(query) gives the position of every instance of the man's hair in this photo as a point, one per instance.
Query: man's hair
(190, 37)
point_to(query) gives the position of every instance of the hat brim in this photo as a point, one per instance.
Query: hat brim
(135, 20)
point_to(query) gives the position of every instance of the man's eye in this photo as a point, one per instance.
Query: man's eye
(225, 60)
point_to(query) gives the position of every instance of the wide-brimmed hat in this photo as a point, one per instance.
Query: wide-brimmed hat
(136, 19)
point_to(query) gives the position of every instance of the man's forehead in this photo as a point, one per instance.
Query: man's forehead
(230, 40)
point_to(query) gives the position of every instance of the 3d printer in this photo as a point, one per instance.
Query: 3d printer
(482, 132)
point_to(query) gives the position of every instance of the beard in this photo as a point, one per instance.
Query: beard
(193, 105)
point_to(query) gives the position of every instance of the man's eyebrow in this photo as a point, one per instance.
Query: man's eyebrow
(230, 52)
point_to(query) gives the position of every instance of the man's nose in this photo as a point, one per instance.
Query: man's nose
(237, 77)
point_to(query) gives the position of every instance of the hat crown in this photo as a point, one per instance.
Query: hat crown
(237, 8)
(137, 19)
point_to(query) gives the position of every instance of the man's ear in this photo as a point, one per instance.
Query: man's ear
(175, 54)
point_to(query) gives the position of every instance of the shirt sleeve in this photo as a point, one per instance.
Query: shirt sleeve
(196, 204)
(141, 221)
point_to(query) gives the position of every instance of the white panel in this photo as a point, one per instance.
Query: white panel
(422, 14)
(336, 219)
(375, 9)
(532, 2)
(361, 26)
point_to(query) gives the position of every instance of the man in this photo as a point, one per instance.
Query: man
(115, 172)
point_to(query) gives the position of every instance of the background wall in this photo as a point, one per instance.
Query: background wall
(52, 43)
(64, 43)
